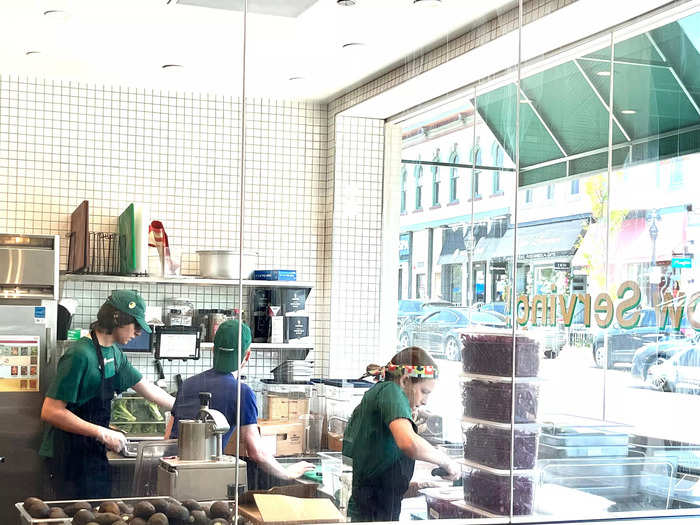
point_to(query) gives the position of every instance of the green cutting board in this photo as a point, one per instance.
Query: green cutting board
(127, 247)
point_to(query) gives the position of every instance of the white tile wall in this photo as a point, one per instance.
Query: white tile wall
(179, 154)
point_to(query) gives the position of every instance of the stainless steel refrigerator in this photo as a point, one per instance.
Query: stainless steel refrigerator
(28, 309)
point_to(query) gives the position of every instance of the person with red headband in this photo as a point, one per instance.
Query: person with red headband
(382, 439)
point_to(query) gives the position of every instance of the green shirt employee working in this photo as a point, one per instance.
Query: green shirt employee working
(382, 441)
(78, 403)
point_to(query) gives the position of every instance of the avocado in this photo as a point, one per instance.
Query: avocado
(158, 519)
(31, 501)
(219, 509)
(220, 521)
(109, 506)
(83, 516)
(75, 507)
(191, 504)
(199, 517)
(177, 512)
(144, 509)
(39, 510)
(161, 505)
(137, 521)
(57, 512)
(124, 508)
(107, 518)
(119, 522)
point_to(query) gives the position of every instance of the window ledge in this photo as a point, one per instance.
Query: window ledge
(404, 213)
(453, 203)
(419, 210)
(476, 198)
(497, 194)
(435, 207)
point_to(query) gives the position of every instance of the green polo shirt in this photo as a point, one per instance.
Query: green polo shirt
(368, 440)
(78, 378)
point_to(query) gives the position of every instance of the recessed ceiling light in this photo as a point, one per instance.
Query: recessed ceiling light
(603, 73)
(32, 53)
(296, 79)
(353, 45)
(172, 67)
(628, 111)
(427, 2)
(346, 2)
(57, 15)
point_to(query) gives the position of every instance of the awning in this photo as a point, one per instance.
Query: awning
(553, 239)
(453, 250)
(632, 243)
(564, 119)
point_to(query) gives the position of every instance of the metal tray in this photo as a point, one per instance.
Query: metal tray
(551, 452)
(594, 439)
(26, 519)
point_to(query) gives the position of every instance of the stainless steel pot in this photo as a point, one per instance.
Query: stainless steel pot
(223, 264)
(192, 440)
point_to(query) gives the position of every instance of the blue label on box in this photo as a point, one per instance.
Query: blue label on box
(40, 312)
(275, 275)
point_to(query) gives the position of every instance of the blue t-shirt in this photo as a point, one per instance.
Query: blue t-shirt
(224, 389)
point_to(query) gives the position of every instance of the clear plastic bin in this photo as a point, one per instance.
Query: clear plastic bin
(491, 353)
(440, 503)
(489, 489)
(488, 444)
(490, 398)
(332, 468)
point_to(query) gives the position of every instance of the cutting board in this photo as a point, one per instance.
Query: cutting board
(127, 250)
(79, 246)
(277, 508)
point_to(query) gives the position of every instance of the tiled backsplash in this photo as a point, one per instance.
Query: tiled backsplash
(178, 154)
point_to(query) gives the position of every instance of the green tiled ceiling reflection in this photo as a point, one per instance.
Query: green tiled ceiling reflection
(657, 92)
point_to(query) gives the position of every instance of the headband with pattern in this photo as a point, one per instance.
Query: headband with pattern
(419, 371)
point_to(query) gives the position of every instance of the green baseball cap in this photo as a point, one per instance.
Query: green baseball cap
(227, 358)
(130, 302)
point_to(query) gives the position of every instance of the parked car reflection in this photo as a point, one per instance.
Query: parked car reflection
(656, 353)
(680, 373)
(414, 308)
(437, 332)
(623, 343)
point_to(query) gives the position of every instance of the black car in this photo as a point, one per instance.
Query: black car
(437, 332)
(623, 343)
(413, 308)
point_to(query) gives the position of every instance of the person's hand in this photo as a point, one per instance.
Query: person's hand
(111, 439)
(453, 470)
(297, 470)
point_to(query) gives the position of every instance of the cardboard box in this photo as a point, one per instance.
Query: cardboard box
(294, 300)
(280, 407)
(287, 505)
(279, 438)
(296, 327)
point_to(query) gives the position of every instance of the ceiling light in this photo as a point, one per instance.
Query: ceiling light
(172, 67)
(296, 79)
(603, 73)
(346, 2)
(57, 15)
(628, 111)
(32, 53)
(427, 2)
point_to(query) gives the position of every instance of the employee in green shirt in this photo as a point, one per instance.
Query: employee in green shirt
(78, 402)
(382, 439)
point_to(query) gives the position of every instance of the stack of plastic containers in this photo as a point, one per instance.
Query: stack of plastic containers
(487, 394)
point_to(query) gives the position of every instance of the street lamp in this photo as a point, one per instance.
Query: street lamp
(652, 217)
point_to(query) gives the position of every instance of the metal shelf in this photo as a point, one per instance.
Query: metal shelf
(185, 279)
(267, 346)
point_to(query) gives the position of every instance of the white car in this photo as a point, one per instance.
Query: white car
(680, 373)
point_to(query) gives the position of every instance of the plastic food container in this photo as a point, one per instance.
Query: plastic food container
(553, 452)
(489, 489)
(491, 353)
(488, 443)
(490, 399)
(440, 502)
